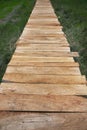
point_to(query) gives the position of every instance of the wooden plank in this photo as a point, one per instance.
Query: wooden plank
(46, 53)
(25, 44)
(42, 48)
(52, 64)
(44, 70)
(55, 21)
(45, 24)
(46, 79)
(42, 121)
(43, 89)
(41, 59)
(51, 103)
(41, 27)
(40, 16)
(43, 7)
(45, 16)
(46, 41)
(45, 34)
(42, 19)
(46, 31)
(42, 13)
(49, 37)
(43, 40)
(35, 11)
(39, 11)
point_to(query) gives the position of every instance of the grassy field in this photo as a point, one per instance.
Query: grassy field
(13, 17)
(73, 16)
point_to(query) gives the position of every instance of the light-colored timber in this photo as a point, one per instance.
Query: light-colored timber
(42, 121)
(46, 53)
(36, 102)
(44, 70)
(42, 88)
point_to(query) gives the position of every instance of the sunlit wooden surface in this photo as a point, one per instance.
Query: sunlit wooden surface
(42, 88)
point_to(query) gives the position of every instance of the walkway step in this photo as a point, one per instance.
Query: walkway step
(42, 121)
(43, 40)
(42, 32)
(30, 27)
(21, 102)
(43, 89)
(41, 59)
(46, 53)
(46, 79)
(28, 63)
(43, 48)
(44, 70)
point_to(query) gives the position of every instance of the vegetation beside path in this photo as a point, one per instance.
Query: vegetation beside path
(13, 17)
(73, 16)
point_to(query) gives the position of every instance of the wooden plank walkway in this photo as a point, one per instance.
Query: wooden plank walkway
(43, 88)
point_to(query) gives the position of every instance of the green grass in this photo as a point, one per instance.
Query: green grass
(73, 16)
(7, 6)
(13, 17)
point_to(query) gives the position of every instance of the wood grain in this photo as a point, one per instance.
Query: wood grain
(46, 79)
(46, 53)
(41, 59)
(52, 64)
(44, 89)
(44, 70)
(42, 121)
(59, 103)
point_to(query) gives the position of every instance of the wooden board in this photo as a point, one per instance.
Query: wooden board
(46, 79)
(42, 47)
(59, 103)
(39, 28)
(44, 70)
(46, 40)
(44, 32)
(46, 53)
(41, 59)
(44, 89)
(42, 27)
(52, 64)
(42, 121)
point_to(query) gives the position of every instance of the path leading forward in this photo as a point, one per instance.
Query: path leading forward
(42, 76)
